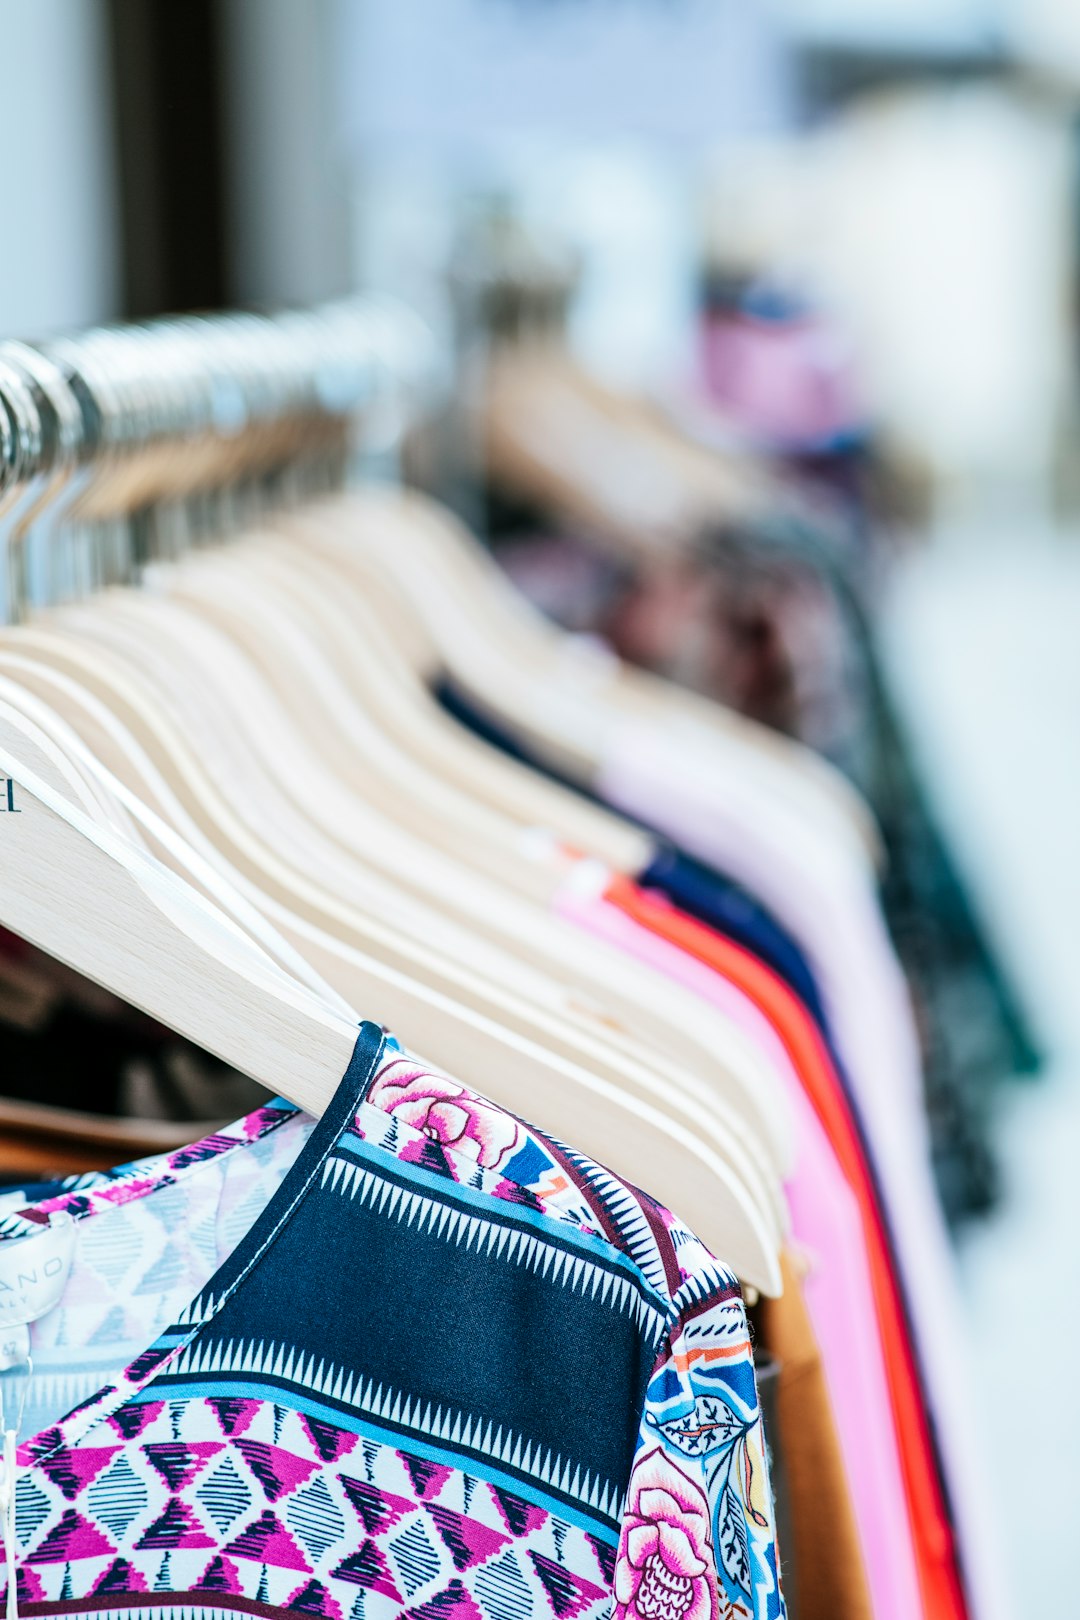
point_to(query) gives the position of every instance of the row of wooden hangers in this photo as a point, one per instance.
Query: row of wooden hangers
(240, 809)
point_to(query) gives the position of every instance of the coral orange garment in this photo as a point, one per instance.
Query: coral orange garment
(939, 1577)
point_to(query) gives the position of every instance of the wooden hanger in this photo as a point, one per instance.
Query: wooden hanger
(564, 696)
(564, 1033)
(366, 654)
(81, 893)
(235, 588)
(114, 915)
(626, 1072)
(176, 841)
(624, 993)
(697, 1037)
(603, 460)
(547, 944)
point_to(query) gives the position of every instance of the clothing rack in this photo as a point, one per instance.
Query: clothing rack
(622, 939)
(116, 422)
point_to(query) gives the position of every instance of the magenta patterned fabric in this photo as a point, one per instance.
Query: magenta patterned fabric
(413, 1359)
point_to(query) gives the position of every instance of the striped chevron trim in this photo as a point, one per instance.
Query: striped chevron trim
(712, 1283)
(496, 1239)
(457, 1430)
(201, 1309)
(626, 1214)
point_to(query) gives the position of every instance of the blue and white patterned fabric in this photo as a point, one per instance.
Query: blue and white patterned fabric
(414, 1359)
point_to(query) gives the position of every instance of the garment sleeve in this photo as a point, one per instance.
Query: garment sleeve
(698, 1538)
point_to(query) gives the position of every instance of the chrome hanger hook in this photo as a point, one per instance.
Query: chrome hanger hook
(26, 464)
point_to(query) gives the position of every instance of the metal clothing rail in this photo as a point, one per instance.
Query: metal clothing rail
(117, 440)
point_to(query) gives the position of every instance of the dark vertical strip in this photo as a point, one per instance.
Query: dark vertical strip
(169, 131)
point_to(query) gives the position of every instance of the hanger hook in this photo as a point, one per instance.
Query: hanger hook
(24, 465)
(64, 439)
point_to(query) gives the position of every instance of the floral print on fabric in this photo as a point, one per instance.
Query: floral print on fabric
(665, 1553)
(534, 1171)
(445, 1111)
(701, 1419)
(697, 1539)
(228, 1466)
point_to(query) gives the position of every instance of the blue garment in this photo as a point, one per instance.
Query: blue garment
(731, 910)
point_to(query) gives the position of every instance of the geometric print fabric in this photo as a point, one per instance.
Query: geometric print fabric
(450, 1369)
(290, 1513)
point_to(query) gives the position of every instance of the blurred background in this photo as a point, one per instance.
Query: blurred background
(759, 335)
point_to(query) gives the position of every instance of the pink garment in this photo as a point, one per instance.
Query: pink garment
(733, 820)
(786, 381)
(838, 1292)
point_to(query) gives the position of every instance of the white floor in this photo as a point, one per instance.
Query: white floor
(984, 647)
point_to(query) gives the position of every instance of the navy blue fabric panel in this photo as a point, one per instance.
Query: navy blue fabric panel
(724, 905)
(342, 1110)
(392, 1289)
(481, 723)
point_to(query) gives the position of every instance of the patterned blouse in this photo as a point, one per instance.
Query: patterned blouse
(413, 1359)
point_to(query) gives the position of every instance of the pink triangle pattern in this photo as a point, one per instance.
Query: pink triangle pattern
(72, 1469)
(221, 1575)
(266, 1541)
(468, 1541)
(315, 1599)
(177, 1526)
(383, 1517)
(234, 1413)
(73, 1538)
(133, 1419)
(520, 1517)
(368, 1569)
(278, 1471)
(453, 1603)
(178, 1461)
(28, 1588)
(428, 1478)
(330, 1442)
(378, 1510)
(568, 1594)
(121, 1576)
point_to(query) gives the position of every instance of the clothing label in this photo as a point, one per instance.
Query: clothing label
(14, 1347)
(33, 1274)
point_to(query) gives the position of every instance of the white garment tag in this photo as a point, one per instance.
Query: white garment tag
(33, 1274)
(14, 1346)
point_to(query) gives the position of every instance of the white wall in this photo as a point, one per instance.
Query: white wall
(57, 241)
(939, 224)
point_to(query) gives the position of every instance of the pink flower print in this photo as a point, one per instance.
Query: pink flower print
(447, 1113)
(664, 1569)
